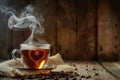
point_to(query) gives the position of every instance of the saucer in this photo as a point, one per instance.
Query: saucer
(29, 69)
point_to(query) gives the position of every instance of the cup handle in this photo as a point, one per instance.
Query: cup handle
(14, 52)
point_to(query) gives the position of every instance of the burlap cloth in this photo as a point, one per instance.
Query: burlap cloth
(9, 68)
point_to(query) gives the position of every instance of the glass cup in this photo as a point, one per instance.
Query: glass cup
(33, 56)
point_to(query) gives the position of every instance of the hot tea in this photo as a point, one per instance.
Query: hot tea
(35, 57)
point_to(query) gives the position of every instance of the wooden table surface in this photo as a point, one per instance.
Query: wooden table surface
(90, 71)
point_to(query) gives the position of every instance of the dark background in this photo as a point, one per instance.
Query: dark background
(77, 29)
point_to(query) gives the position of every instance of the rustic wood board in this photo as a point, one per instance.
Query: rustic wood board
(66, 29)
(113, 68)
(78, 29)
(88, 71)
(92, 71)
(108, 25)
(18, 37)
(87, 34)
(47, 9)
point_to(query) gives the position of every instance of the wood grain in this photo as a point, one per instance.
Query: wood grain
(87, 16)
(113, 68)
(77, 29)
(18, 37)
(87, 71)
(93, 71)
(66, 29)
(107, 31)
(5, 38)
(47, 9)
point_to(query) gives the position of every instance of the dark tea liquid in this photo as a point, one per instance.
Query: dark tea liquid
(35, 59)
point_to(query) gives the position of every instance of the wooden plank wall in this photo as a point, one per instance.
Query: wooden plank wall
(66, 29)
(87, 29)
(47, 9)
(108, 30)
(74, 28)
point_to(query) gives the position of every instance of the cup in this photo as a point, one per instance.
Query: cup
(33, 56)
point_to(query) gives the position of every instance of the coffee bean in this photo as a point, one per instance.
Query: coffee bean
(96, 74)
(56, 79)
(88, 77)
(29, 77)
(76, 69)
(93, 69)
(77, 75)
(82, 76)
(54, 76)
(86, 69)
(22, 79)
(67, 78)
(74, 65)
(74, 79)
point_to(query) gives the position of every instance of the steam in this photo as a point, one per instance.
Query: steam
(25, 20)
